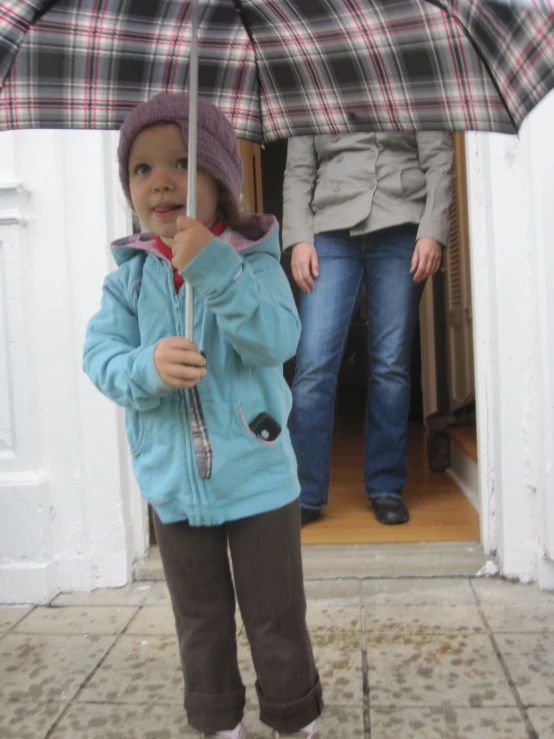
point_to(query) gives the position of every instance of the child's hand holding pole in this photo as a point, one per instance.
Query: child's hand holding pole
(178, 361)
(189, 241)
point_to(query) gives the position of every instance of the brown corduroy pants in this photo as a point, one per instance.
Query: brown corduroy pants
(267, 566)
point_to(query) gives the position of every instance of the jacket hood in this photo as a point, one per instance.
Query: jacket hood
(252, 233)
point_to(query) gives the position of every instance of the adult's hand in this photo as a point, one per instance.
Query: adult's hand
(426, 259)
(305, 266)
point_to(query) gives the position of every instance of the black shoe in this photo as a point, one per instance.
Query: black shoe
(309, 515)
(390, 510)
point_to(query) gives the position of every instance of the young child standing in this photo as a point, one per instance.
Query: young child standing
(207, 420)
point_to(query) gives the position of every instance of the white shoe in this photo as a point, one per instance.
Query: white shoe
(237, 733)
(310, 732)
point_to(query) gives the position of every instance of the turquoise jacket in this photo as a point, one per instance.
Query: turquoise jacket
(246, 322)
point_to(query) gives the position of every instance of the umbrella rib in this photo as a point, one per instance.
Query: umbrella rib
(242, 16)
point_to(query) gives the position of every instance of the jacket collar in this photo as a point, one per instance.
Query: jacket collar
(248, 235)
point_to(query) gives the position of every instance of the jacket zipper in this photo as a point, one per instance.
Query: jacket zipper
(191, 458)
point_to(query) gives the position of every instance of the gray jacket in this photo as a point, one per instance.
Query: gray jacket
(365, 182)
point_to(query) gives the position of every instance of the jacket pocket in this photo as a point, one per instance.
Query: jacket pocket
(249, 431)
(134, 426)
(241, 461)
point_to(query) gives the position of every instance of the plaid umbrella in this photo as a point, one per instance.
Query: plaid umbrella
(280, 68)
(277, 68)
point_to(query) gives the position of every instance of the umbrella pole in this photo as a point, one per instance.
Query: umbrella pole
(193, 124)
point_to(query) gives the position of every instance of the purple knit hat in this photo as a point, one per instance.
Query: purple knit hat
(217, 151)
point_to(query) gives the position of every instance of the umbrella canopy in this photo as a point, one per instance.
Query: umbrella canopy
(280, 68)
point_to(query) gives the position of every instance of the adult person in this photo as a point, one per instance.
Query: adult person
(369, 209)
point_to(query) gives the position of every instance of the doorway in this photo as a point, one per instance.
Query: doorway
(442, 376)
(443, 506)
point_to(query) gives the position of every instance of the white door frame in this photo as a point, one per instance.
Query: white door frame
(510, 188)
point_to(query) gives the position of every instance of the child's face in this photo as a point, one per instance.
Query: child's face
(158, 180)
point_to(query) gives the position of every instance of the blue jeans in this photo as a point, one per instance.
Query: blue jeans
(382, 261)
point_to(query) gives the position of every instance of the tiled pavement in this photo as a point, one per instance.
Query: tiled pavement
(422, 657)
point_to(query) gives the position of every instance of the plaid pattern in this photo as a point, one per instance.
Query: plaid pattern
(87, 63)
(522, 61)
(16, 17)
(201, 441)
(280, 68)
(534, 4)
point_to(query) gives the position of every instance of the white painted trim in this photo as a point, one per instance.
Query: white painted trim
(542, 164)
(465, 472)
(484, 319)
(510, 185)
(72, 517)
(546, 574)
(12, 195)
(12, 219)
(33, 583)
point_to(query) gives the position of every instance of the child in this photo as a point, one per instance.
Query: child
(207, 420)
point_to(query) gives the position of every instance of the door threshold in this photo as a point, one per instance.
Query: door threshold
(367, 561)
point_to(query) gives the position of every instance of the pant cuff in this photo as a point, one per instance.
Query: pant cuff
(376, 496)
(292, 716)
(209, 713)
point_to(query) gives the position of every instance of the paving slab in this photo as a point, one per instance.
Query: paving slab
(76, 620)
(28, 720)
(530, 661)
(339, 661)
(141, 670)
(520, 617)
(48, 667)
(153, 620)
(497, 590)
(406, 657)
(442, 669)
(246, 669)
(337, 722)
(436, 722)
(133, 594)
(327, 617)
(422, 620)
(417, 591)
(343, 591)
(543, 722)
(158, 595)
(11, 615)
(115, 721)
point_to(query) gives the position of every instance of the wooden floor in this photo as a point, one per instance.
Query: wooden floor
(439, 511)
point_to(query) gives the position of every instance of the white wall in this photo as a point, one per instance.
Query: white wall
(71, 517)
(511, 190)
